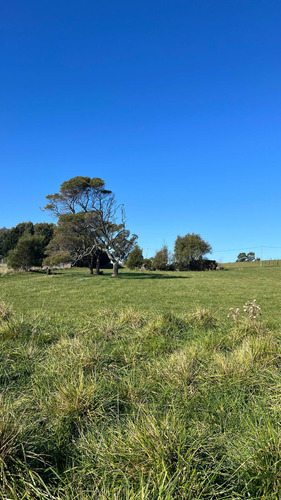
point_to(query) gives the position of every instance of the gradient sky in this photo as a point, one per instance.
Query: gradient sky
(175, 104)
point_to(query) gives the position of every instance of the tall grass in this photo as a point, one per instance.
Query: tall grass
(139, 405)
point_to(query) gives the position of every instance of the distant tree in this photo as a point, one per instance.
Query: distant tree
(46, 230)
(14, 234)
(243, 257)
(135, 258)
(9, 238)
(160, 261)
(29, 252)
(251, 256)
(189, 249)
(148, 264)
(90, 220)
(3, 235)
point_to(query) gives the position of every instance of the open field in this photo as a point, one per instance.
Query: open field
(140, 387)
(254, 264)
(75, 294)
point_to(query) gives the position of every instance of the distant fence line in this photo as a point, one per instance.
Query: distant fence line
(257, 263)
(271, 262)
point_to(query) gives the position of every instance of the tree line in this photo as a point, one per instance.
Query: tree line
(91, 230)
(25, 245)
(189, 252)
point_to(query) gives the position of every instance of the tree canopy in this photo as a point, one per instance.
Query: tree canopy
(29, 252)
(243, 257)
(160, 261)
(89, 221)
(135, 258)
(189, 248)
(9, 237)
(77, 194)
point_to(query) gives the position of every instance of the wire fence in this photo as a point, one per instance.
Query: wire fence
(256, 263)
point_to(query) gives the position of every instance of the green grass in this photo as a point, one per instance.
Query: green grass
(253, 264)
(74, 293)
(140, 387)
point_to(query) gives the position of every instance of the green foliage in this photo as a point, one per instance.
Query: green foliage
(160, 260)
(3, 235)
(249, 257)
(12, 236)
(57, 259)
(9, 237)
(75, 195)
(188, 248)
(45, 230)
(89, 222)
(148, 264)
(242, 257)
(72, 240)
(135, 258)
(29, 252)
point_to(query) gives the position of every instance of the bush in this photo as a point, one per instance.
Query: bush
(135, 258)
(147, 264)
(160, 261)
(28, 252)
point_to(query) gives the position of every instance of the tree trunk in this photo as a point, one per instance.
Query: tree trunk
(115, 270)
(91, 266)
(98, 264)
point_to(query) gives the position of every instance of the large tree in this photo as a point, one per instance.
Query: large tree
(190, 248)
(89, 221)
(72, 242)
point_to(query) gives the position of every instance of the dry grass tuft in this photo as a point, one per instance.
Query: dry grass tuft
(203, 318)
(5, 270)
(5, 312)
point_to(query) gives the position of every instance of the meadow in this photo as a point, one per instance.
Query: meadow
(140, 387)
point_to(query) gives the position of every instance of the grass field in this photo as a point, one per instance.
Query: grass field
(140, 387)
(249, 265)
(74, 293)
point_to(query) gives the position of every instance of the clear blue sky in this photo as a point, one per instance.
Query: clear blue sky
(176, 104)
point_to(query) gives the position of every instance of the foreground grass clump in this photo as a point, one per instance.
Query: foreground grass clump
(140, 406)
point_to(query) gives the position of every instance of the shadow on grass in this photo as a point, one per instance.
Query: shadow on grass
(43, 272)
(151, 276)
(108, 274)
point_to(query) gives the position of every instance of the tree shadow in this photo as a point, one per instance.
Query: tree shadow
(152, 276)
(42, 272)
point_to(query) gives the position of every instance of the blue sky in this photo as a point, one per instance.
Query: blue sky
(175, 104)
